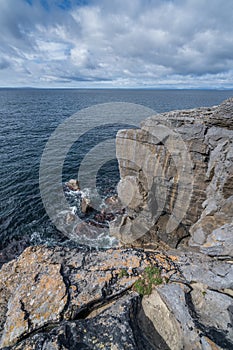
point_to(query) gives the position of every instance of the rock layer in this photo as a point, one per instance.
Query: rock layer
(178, 172)
(176, 187)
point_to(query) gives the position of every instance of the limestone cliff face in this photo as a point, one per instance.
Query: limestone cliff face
(176, 186)
(177, 180)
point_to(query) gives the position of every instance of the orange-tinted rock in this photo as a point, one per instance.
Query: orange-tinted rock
(37, 295)
(63, 298)
(45, 285)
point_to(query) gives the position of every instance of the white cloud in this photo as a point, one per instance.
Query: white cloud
(183, 43)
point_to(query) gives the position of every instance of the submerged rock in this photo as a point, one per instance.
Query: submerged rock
(73, 185)
(86, 205)
(176, 190)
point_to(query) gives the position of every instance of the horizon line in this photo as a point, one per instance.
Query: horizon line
(116, 88)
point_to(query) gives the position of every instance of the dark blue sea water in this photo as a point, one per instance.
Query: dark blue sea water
(29, 116)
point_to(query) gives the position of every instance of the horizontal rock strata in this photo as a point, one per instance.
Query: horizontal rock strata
(176, 190)
(177, 180)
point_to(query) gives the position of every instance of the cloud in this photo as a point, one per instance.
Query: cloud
(120, 43)
(4, 64)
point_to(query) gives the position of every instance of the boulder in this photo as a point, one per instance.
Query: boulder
(73, 185)
(197, 312)
(86, 205)
(219, 242)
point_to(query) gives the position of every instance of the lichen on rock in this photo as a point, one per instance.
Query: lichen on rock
(80, 298)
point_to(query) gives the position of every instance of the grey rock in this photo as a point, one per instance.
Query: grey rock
(115, 328)
(219, 242)
(130, 192)
(215, 274)
(48, 285)
(223, 115)
(212, 309)
(176, 177)
(168, 304)
(63, 298)
(198, 314)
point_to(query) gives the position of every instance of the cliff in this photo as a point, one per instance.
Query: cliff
(171, 286)
(177, 180)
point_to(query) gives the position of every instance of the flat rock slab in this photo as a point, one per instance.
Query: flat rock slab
(48, 285)
(114, 329)
(65, 298)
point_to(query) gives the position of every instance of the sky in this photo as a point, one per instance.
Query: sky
(116, 43)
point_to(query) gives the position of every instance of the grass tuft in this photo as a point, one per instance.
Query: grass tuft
(150, 277)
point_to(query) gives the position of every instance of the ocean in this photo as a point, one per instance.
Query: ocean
(29, 117)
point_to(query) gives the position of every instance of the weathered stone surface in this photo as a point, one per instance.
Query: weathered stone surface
(176, 184)
(63, 298)
(113, 329)
(176, 177)
(168, 304)
(213, 310)
(179, 329)
(223, 115)
(216, 274)
(196, 314)
(45, 286)
(218, 206)
(130, 192)
(120, 326)
(219, 242)
(36, 295)
(169, 164)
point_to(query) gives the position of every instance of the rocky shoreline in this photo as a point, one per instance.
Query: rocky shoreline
(180, 163)
(59, 298)
(62, 298)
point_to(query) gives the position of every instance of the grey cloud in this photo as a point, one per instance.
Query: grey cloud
(4, 64)
(83, 78)
(119, 42)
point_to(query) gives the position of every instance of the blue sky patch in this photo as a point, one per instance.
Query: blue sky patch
(62, 4)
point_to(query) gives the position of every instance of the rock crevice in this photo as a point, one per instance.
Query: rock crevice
(177, 190)
(177, 180)
(192, 306)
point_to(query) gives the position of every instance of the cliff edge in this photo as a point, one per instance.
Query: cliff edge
(177, 180)
(171, 286)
